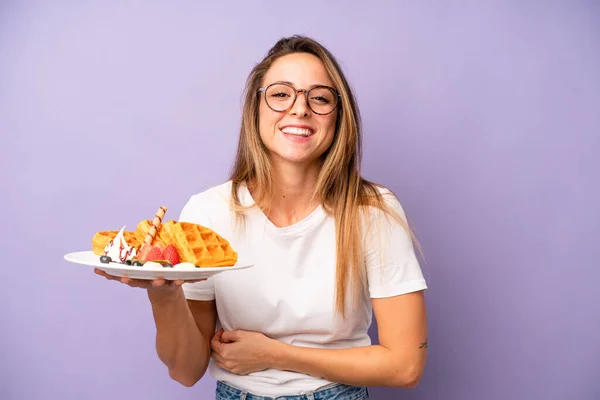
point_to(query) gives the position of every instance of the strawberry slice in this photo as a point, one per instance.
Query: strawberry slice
(144, 251)
(154, 254)
(170, 255)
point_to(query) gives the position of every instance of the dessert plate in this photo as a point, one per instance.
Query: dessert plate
(150, 271)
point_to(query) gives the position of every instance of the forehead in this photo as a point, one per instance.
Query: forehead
(301, 69)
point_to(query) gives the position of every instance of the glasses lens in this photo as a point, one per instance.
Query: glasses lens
(279, 97)
(322, 100)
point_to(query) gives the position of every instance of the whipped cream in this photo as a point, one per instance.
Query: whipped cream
(118, 249)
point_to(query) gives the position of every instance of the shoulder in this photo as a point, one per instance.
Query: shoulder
(209, 203)
(213, 196)
(383, 201)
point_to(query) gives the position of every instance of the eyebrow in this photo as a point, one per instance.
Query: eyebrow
(310, 87)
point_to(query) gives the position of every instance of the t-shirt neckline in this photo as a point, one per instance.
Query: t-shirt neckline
(317, 215)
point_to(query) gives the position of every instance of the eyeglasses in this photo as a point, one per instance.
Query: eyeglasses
(281, 96)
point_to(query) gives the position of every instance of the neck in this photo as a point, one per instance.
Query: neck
(293, 188)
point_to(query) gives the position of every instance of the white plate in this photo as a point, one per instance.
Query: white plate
(149, 271)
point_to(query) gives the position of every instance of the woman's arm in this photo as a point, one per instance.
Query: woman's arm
(398, 360)
(183, 332)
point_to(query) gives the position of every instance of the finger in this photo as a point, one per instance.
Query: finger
(135, 283)
(138, 283)
(176, 284)
(222, 362)
(218, 334)
(216, 348)
(230, 336)
(113, 278)
(172, 285)
(159, 282)
(166, 284)
(215, 345)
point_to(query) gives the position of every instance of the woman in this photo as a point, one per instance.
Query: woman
(328, 246)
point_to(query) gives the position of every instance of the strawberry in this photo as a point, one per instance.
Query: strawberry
(170, 255)
(143, 252)
(154, 254)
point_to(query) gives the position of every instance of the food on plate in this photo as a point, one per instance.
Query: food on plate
(117, 249)
(170, 244)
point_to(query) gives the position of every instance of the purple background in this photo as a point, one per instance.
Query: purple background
(484, 118)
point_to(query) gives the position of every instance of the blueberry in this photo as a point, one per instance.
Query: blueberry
(127, 262)
(167, 265)
(105, 259)
(136, 264)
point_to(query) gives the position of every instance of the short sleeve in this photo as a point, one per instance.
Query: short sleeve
(193, 212)
(392, 265)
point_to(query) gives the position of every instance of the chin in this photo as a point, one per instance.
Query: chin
(297, 158)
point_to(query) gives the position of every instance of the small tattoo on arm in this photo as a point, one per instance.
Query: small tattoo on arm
(423, 345)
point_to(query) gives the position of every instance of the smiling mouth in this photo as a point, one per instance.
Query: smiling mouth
(301, 132)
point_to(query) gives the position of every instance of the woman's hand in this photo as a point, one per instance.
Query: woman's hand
(156, 285)
(243, 352)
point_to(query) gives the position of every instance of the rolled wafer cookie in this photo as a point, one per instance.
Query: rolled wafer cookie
(158, 217)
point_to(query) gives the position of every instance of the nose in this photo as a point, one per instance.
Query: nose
(300, 107)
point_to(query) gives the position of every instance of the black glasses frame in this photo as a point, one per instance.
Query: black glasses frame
(298, 91)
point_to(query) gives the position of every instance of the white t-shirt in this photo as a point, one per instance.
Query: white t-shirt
(289, 292)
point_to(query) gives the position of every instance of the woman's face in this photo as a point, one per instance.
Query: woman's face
(297, 135)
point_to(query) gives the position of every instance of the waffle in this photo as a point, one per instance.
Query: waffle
(101, 240)
(195, 244)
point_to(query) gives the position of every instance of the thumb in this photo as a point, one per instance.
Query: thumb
(218, 334)
(230, 336)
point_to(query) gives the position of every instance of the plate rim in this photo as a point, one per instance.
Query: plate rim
(240, 264)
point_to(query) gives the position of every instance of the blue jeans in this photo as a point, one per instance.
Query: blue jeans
(337, 392)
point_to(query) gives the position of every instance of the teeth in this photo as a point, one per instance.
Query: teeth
(297, 131)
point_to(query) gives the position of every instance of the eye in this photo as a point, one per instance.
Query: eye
(322, 96)
(320, 99)
(279, 95)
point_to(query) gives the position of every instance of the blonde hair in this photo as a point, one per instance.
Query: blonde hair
(340, 187)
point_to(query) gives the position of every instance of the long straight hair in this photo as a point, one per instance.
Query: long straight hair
(340, 187)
